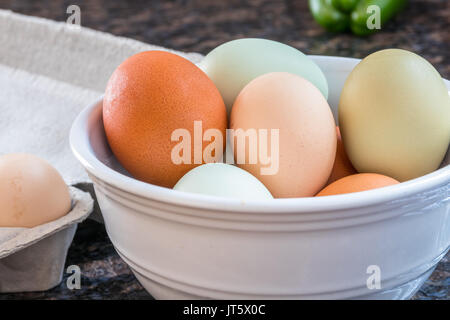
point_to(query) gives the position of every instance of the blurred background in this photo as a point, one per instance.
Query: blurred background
(199, 25)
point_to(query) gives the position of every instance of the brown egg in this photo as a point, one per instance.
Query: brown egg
(148, 97)
(32, 192)
(342, 166)
(357, 182)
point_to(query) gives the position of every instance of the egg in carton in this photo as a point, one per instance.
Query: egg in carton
(33, 259)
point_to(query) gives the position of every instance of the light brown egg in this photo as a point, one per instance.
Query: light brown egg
(32, 192)
(301, 156)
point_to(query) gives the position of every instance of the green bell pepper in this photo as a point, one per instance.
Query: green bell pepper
(343, 15)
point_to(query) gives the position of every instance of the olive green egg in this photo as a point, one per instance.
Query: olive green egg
(394, 115)
(234, 64)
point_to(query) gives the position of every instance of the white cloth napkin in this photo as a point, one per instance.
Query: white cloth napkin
(50, 71)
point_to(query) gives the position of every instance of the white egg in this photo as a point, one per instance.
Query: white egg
(223, 180)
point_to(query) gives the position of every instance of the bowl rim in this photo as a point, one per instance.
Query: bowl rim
(80, 145)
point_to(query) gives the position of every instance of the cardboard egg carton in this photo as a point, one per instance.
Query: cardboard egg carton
(33, 259)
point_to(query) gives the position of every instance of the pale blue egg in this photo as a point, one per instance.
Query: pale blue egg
(223, 180)
(234, 64)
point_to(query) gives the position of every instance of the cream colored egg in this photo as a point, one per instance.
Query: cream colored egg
(298, 162)
(394, 115)
(32, 192)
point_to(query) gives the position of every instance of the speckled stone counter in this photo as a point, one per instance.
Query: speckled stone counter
(200, 26)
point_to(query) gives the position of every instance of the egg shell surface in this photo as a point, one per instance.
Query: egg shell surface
(356, 183)
(394, 115)
(307, 133)
(234, 64)
(32, 192)
(148, 97)
(223, 180)
(342, 166)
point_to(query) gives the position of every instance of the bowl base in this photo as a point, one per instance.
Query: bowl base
(162, 291)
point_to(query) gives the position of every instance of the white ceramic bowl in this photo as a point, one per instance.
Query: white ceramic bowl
(182, 245)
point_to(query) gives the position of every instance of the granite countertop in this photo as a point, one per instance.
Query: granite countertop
(200, 26)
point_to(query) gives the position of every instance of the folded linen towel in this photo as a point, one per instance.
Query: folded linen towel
(50, 71)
